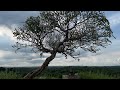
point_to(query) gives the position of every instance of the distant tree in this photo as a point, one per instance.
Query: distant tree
(63, 32)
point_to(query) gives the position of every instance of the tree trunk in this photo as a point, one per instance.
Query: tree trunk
(34, 73)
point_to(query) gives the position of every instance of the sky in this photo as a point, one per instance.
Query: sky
(9, 20)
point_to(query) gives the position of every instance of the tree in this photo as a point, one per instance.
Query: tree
(63, 32)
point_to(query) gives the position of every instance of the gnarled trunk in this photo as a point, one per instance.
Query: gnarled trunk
(34, 73)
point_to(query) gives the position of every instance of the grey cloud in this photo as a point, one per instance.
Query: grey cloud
(5, 43)
(15, 17)
(26, 57)
(11, 56)
(59, 55)
(81, 52)
(36, 61)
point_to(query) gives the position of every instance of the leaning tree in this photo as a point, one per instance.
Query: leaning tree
(63, 32)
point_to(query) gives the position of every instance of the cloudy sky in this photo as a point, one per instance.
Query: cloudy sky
(9, 20)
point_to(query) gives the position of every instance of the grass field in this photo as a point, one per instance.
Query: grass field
(57, 72)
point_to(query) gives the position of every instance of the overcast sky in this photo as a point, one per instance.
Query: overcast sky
(109, 56)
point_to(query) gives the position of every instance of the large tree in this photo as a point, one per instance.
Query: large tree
(63, 32)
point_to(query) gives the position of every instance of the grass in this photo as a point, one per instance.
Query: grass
(9, 75)
(83, 75)
(92, 75)
(53, 75)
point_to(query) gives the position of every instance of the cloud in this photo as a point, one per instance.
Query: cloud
(9, 58)
(109, 56)
(22, 58)
(109, 59)
(15, 17)
(6, 33)
(36, 61)
(104, 59)
(11, 19)
(7, 40)
(114, 19)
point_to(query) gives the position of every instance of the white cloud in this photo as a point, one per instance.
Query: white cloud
(9, 58)
(114, 19)
(107, 56)
(7, 32)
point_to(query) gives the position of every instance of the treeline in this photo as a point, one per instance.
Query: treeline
(7, 69)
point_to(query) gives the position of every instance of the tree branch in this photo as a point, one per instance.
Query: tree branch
(77, 23)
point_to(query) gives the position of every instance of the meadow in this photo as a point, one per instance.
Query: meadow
(85, 72)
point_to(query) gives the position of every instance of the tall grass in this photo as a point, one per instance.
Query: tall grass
(9, 75)
(57, 74)
(92, 75)
(83, 75)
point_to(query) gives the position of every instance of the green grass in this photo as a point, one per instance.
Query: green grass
(56, 73)
(92, 75)
(83, 75)
(9, 75)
